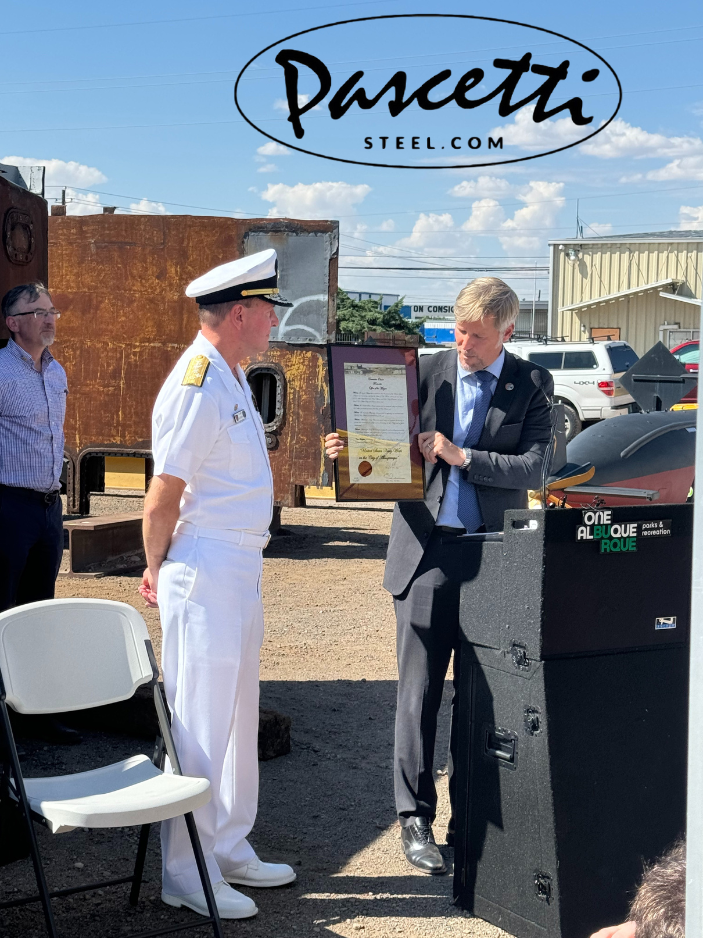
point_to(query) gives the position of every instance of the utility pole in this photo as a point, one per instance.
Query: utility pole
(694, 823)
(534, 296)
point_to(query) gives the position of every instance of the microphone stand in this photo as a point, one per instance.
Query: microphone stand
(547, 458)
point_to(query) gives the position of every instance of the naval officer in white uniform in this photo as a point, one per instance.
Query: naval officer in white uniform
(206, 520)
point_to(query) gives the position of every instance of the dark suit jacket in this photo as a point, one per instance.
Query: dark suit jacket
(506, 462)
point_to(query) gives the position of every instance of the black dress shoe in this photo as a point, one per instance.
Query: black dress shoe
(420, 848)
(51, 730)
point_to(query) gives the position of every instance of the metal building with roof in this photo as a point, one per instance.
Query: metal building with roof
(629, 287)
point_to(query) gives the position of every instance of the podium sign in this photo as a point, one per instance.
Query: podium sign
(572, 714)
(376, 411)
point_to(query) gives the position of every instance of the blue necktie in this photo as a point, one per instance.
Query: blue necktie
(468, 509)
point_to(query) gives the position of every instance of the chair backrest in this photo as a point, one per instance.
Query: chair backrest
(70, 654)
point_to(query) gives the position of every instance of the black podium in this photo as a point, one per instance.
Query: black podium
(571, 768)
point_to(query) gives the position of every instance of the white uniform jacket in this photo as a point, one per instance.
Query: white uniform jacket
(213, 439)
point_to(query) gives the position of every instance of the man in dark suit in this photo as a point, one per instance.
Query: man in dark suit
(485, 419)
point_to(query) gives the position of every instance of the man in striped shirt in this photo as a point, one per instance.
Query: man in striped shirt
(32, 409)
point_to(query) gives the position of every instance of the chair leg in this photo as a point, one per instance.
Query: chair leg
(204, 877)
(41, 881)
(27, 814)
(139, 864)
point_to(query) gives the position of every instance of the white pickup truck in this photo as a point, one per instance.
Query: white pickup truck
(586, 376)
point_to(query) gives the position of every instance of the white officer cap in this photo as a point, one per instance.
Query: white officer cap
(256, 275)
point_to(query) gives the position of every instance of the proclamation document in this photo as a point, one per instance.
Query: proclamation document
(377, 422)
(375, 408)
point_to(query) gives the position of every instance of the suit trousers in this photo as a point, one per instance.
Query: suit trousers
(209, 595)
(427, 618)
(31, 546)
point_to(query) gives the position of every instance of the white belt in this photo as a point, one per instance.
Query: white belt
(243, 538)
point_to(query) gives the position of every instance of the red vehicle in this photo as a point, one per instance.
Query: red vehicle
(687, 353)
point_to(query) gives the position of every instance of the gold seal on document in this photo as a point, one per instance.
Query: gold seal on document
(196, 371)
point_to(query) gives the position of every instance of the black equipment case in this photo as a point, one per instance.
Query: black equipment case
(573, 688)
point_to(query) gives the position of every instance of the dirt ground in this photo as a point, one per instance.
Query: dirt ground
(328, 661)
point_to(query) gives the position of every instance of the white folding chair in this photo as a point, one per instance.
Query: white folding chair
(71, 654)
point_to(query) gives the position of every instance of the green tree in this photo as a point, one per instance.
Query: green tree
(359, 316)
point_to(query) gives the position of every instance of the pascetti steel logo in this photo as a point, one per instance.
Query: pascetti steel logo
(436, 91)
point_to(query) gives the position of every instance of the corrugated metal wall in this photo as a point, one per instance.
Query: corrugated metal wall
(610, 267)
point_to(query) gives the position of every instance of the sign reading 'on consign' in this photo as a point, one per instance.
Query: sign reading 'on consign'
(428, 91)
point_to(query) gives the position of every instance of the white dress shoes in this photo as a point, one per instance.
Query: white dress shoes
(260, 874)
(230, 903)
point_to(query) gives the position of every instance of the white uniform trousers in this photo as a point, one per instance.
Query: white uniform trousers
(209, 594)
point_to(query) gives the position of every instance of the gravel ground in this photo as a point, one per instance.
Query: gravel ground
(328, 661)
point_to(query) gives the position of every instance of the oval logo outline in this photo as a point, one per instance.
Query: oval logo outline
(462, 16)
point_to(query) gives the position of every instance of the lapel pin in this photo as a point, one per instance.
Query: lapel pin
(509, 386)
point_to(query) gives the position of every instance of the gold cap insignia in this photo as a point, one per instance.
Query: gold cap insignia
(196, 371)
(260, 291)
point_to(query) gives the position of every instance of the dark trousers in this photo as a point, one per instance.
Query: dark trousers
(31, 546)
(427, 617)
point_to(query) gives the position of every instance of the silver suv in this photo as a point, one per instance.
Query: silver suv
(586, 376)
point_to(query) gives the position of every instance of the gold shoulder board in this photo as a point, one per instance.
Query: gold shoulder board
(196, 371)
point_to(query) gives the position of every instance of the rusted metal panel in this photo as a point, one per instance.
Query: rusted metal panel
(120, 280)
(295, 443)
(24, 233)
(105, 545)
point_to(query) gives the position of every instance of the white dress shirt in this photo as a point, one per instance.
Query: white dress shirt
(464, 399)
(213, 439)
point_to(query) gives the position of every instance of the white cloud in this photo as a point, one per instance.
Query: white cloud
(315, 200)
(272, 149)
(485, 214)
(266, 151)
(60, 172)
(543, 202)
(147, 207)
(688, 167)
(691, 216)
(621, 139)
(82, 203)
(433, 234)
(600, 228)
(387, 225)
(66, 174)
(524, 133)
(280, 104)
(484, 186)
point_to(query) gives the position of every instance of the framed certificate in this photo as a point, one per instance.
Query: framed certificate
(376, 411)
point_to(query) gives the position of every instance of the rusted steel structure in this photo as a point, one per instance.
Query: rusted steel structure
(119, 281)
(23, 255)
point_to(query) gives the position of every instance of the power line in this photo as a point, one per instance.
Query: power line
(432, 269)
(458, 257)
(422, 211)
(188, 19)
(434, 276)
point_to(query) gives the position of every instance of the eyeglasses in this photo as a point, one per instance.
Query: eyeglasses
(39, 313)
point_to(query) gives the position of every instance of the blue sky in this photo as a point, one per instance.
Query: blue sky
(132, 105)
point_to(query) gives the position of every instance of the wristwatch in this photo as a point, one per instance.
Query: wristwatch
(467, 459)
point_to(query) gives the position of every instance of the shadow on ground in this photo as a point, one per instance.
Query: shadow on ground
(303, 542)
(327, 808)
